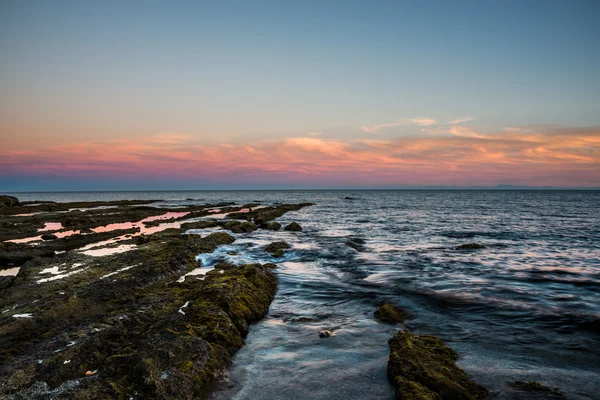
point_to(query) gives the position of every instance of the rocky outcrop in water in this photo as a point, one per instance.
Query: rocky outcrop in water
(263, 215)
(536, 390)
(276, 248)
(389, 314)
(423, 368)
(293, 227)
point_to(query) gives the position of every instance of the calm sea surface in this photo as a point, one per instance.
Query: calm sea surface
(527, 307)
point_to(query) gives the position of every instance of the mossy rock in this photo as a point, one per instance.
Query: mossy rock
(293, 227)
(272, 226)
(470, 246)
(540, 389)
(424, 368)
(389, 314)
(276, 248)
(9, 201)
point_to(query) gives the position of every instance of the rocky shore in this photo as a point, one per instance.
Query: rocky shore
(123, 325)
(109, 300)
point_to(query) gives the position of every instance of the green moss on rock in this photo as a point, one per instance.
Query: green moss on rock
(389, 314)
(424, 368)
(276, 248)
(293, 227)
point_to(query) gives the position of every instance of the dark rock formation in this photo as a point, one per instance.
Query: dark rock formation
(9, 201)
(293, 227)
(276, 248)
(272, 226)
(539, 389)
(389, 314)
(423, 368)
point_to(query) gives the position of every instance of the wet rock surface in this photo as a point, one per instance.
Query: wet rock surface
(293, 227)
(9, 201)
(389, 314)
(276, 248)
(536, 390)
(120, 325)
(422, 367)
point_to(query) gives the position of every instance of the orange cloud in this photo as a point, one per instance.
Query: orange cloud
(463, 156)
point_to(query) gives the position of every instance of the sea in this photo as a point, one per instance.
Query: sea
(526, 307)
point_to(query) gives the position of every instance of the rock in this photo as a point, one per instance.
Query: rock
(423, 368)
(266, 214)
(272, 226)
(325, 333)
(6, 281)
(356, 243)
(349, 198)
(389, 314)
(244, 227)
(276, 248)
(294, 227)
(536, 387)
(49, 236)
(9, 201)
(470, 246)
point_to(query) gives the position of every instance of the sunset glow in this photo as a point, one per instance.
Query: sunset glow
(298, 97)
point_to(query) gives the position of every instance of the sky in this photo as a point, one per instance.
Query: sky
(313, 94)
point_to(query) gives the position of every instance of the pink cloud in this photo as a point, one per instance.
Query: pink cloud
(465, 156)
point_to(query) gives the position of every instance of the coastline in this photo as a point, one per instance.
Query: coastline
(208, 219)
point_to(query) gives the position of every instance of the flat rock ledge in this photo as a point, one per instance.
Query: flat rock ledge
(138, 334)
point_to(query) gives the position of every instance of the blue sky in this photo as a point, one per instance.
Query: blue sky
(247, 72)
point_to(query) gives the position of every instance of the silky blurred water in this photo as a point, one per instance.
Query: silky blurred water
(526, 307)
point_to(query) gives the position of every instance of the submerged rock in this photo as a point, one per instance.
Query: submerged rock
(470, 246)
(536, 387)
(389, 314)
(294, 227)
(356, 243)
(276, 248)
(423, 368)
(325, 333)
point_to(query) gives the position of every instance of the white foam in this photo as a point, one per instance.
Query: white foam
(61, 276)
(187, 303)
(26, 315)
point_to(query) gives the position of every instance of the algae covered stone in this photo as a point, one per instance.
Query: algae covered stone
(293, 227)
(276, 248)
(389, 314)
(422, 367)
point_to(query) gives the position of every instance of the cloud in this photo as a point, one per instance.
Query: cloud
(314, 134)
(460, 120)
(411, 121)
(466, 156)
(423, 121)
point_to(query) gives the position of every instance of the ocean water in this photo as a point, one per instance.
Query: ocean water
(526, 307)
